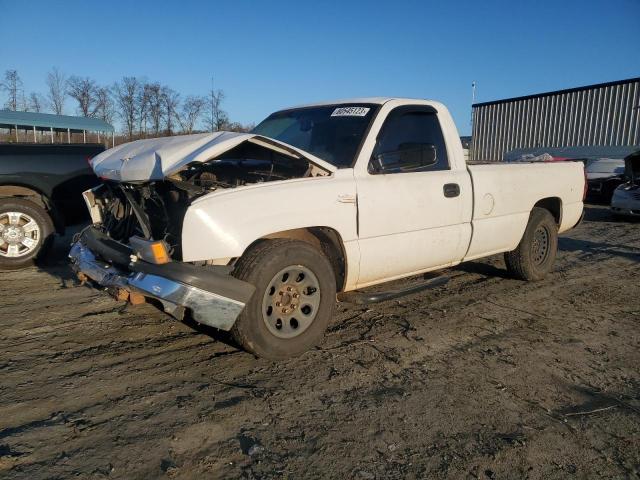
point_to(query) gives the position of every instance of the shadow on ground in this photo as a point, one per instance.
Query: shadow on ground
(56, 260)
(597, 212)
(591, 248)
(483, 269)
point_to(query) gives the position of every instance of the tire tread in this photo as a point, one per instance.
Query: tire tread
(247, 268)
(518, 261)
(243, 267)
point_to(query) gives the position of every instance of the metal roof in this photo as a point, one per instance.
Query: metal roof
(9, 119)
(557, 92)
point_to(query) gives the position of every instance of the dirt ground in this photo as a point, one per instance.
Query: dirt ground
(487, 377)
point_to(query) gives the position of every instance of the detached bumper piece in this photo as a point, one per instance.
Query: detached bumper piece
(213, 297)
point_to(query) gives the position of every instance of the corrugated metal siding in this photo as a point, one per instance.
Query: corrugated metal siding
(607, 114)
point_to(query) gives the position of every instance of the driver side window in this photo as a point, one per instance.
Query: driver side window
(410, 140)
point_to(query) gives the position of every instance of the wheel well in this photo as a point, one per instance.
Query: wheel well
(553, 205)
(7, 191)
(326, 240)
(37, 197)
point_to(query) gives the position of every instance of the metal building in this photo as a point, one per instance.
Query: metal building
(46, 124)
(607, 114)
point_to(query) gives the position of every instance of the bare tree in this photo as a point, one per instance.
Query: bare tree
(56, 83)
(126, 93)
(36, 102)
(217, 118)
(12, 84)
(145, 108)
(104, 105)
(84, 91)
(171, 100)
(239, 127)
(155, 106)
(191, 111)
(143, 100)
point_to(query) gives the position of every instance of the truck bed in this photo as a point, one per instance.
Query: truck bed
(59, 172)
(505, 193)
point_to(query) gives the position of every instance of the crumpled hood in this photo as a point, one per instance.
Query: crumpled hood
(157, 158)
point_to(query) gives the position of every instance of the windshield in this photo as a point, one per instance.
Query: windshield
(332, 133)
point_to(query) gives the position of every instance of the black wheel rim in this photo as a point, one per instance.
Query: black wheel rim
(541, 245)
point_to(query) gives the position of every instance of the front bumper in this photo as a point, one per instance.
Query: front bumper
(213, 298)
(626, 201)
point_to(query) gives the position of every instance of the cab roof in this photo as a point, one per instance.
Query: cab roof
(360, 100)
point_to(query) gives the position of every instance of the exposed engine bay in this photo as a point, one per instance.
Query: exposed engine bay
(155, 210)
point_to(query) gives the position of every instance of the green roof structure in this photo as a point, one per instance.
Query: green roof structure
(41, 122)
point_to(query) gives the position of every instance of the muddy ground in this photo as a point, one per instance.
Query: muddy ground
(487, 377)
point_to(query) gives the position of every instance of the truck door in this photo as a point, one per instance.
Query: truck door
(410, 204)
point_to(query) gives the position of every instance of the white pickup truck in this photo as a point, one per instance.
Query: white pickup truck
(257, 233)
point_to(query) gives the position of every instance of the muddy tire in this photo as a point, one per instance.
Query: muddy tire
(26, 231)
(536, 253)
(293, 302)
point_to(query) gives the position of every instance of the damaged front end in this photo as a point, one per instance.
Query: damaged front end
(135, 242)
(133, 249)
(213, 297)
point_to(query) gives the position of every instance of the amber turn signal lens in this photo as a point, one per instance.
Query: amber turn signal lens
(160, 254)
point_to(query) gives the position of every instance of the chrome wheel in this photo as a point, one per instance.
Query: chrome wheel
(19, 234)
(291, 301)
(541, 245)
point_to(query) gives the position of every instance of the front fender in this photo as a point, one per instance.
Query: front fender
(224, 223)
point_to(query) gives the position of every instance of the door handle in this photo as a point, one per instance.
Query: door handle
(346, 198)
(451, 190)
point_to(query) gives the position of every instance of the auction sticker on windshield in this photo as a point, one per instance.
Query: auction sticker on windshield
(350, 112)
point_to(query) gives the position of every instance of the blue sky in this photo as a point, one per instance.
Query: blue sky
(267, 55)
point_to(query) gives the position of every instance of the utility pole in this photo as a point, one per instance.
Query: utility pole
(473, 100)
(212, 104)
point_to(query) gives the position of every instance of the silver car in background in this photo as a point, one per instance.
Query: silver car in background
(626, 198)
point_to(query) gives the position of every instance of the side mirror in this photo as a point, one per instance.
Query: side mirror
(409, 156)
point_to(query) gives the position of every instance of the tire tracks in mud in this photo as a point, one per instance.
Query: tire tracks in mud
(459, 381)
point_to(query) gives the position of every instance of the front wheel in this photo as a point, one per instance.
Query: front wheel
(536, 253)
(25, 232)
(293, 302)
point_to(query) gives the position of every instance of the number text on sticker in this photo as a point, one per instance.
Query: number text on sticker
(350, 112)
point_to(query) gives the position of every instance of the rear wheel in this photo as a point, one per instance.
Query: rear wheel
(294, 299)
(535, 255)
(25, 232)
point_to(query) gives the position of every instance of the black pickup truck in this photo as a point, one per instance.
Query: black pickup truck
(40, 193)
